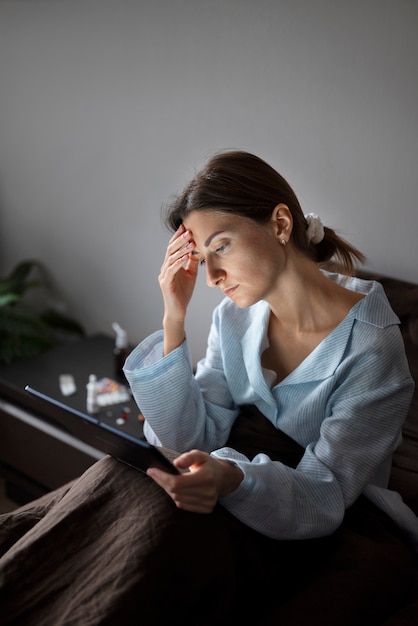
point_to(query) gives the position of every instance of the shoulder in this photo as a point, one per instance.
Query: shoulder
(368, 339)
(376, 340)
(374, 308)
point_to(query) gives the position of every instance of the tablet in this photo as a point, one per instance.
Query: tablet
(133, 451)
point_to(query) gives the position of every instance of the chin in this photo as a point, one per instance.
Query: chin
(244, 303)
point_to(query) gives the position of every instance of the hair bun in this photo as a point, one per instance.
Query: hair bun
(315, 231)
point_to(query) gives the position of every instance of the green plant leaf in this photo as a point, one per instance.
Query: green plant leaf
(25, 332)
(58, 321)
(13, 347)
(8, 298)
(17, 282)
(22, 334)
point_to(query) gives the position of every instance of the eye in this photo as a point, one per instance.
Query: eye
(202, 262)
(220, 249)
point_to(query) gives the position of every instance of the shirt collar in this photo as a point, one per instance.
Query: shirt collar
(322, 362)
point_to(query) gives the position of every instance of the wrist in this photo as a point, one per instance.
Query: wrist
(232, 476)
(173, 322)
(174, 334)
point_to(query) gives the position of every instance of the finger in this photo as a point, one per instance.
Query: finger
(188, 459)
(196, 500)
(191, 265)
(181, 259)
(173, 243)
(181, 229)
(180, 248)
(163, 479)
(185, 491)
(179, 240)
(197, 506)
(173, 265)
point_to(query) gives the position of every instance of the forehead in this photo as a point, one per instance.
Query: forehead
(204, 224)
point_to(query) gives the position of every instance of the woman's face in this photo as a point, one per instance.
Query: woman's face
(242, 258)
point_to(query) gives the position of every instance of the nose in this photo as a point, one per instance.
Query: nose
(214, 274)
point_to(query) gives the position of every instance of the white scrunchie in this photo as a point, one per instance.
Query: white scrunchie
(315, 232)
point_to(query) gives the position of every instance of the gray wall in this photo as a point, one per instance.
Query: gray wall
(108, 106)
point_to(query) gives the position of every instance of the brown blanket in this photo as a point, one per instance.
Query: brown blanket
(112, 549)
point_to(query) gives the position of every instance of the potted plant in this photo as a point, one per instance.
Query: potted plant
(29, 327)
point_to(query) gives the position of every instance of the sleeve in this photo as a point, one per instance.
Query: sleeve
(182, 411)
(372, 389)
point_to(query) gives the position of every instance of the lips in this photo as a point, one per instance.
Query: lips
(230, 291)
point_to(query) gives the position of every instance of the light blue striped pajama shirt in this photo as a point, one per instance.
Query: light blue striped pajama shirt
(345, 404)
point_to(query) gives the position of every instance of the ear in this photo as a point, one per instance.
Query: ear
(282, 223)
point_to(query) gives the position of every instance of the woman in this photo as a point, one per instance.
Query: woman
(319, 355)
(284, 434)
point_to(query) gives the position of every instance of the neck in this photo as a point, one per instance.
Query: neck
(305, 300)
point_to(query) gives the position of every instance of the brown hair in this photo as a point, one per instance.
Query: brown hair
(241, 183)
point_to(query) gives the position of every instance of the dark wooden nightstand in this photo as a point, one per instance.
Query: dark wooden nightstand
(36, 453)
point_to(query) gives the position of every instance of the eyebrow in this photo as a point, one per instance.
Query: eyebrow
(212, 236)
(208, 240)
